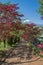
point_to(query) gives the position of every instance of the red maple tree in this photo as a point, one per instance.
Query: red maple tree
(30, 32)
(9, 19)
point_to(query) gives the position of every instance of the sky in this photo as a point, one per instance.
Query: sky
(29, 8)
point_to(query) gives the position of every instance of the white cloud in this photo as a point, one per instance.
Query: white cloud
(26, 21)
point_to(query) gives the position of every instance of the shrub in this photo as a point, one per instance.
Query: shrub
(16, 39)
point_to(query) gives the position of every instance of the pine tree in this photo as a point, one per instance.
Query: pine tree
(41, 8)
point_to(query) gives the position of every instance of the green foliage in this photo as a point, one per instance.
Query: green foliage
(29, 44)
(10, 41)
(40, 1)
(2, 46)
(16, 39)
(13, 41)
(36, 51)
(41, 7)
(41, 56)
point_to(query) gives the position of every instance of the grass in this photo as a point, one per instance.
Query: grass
(1, 46)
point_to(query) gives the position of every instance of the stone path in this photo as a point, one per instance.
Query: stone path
(20, 56)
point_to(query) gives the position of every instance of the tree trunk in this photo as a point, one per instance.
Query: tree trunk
(4, 43)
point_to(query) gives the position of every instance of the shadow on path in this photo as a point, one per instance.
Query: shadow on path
(20, 52)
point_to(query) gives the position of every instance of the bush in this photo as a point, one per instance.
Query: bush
(16, 39)
(13, 40)
(36, 51)
(10, 41)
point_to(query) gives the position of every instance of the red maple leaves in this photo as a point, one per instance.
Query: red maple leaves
(9, 14)
(10, 20)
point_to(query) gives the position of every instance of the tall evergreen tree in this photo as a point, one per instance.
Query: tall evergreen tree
(41, 8)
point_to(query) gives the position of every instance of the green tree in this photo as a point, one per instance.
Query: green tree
(41, 8)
